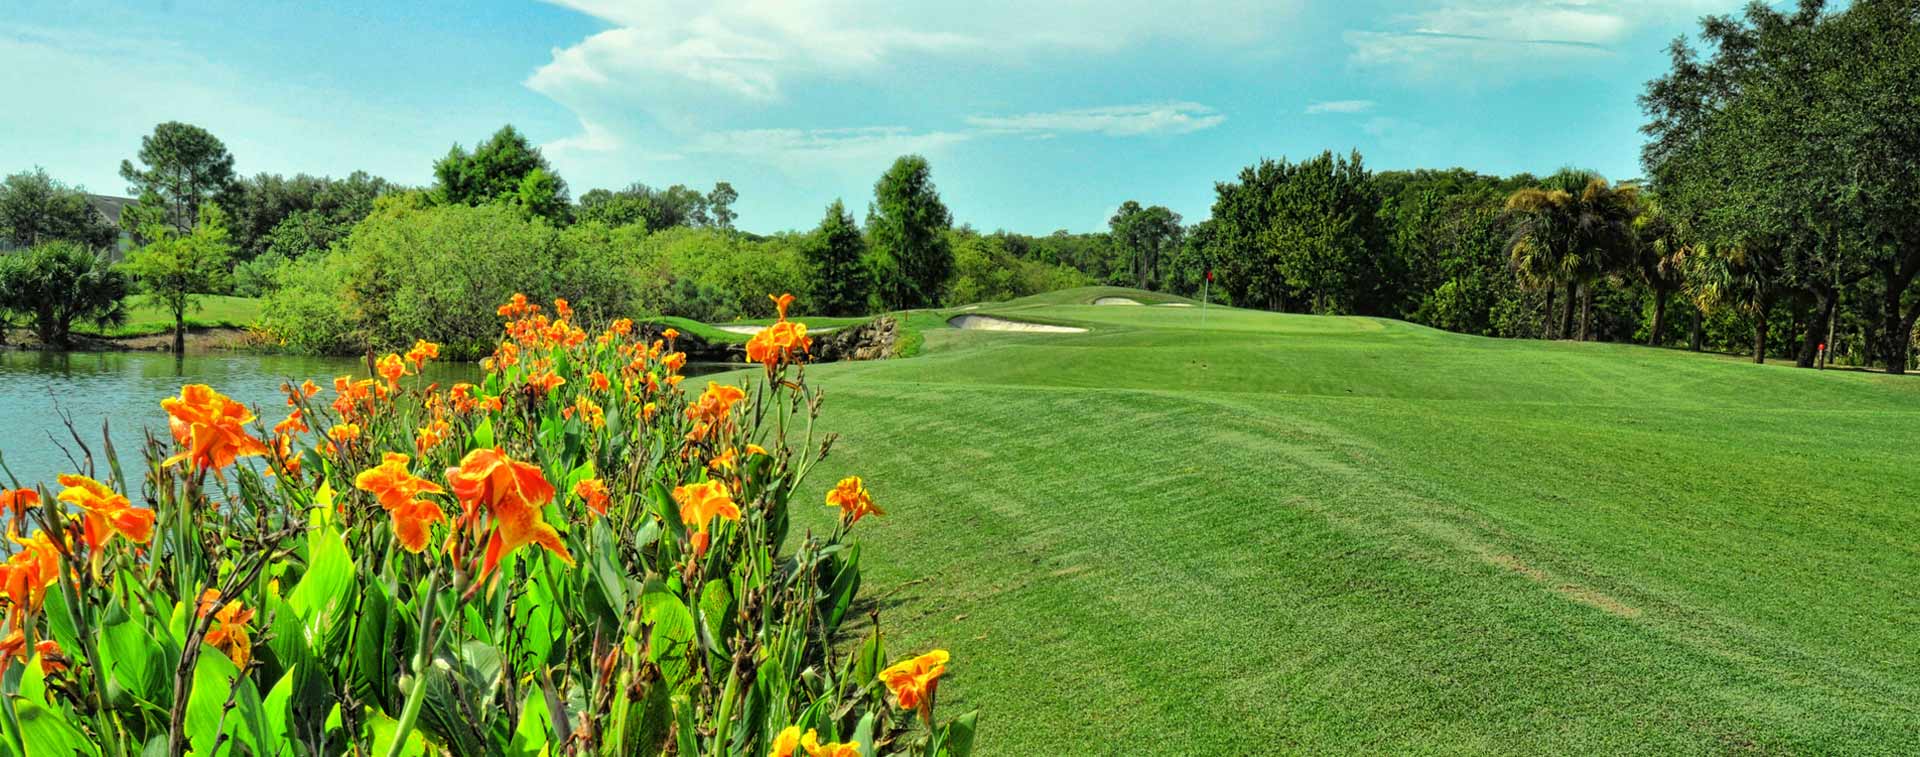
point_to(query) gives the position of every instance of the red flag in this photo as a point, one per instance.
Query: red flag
(1209, 274)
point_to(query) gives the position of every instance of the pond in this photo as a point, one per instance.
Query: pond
(124, 389)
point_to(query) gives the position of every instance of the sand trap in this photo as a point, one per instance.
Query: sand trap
(1116, 301)
(750, 330)
(1176, 305)
(990, 323)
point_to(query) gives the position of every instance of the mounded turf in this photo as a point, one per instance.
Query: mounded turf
(1280, 533)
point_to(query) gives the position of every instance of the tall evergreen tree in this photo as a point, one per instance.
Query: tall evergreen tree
(835, 252)
(911, 259)
(186, 166)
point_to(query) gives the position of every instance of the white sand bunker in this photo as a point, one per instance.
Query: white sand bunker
(1176, 304)
(750, 330)
(990, 323)
(1116, 301)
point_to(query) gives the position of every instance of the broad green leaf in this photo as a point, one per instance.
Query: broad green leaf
(482, 437)
(325, 594)
(214, 680)
(138, 662)
(671, 644)
(277, 710)
(385, 729)
(959, 737)
(45, 730)
(530, 737)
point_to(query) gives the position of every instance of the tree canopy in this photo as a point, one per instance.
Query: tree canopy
(911, 258)
(186, 167)
(36, 208)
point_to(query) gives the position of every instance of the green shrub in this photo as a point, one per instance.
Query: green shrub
(410, 272)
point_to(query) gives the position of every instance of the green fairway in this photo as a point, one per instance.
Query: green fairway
(216, 311)
(1300, 534)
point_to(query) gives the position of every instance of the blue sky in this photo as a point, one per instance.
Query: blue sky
(1036, 115)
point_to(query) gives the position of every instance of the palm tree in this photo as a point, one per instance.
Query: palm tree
(1570, 232)
(1741, 275)
(1659, 252)
(1538, 246)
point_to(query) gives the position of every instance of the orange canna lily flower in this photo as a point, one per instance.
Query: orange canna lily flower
(344, 432)
(594, 492)
(13, 647)
(561, 309)
(786, 742)
(811, 742)
(296, 423)
(392, 484)
(853, 499)
(107, 513)
(229, 631)
(598, 382)
(421, 352)
(52, 660)
(308, 388)
(702, 502)
(26, 575)
(211, 427)
(728, 460)
(512, 493)
(914, 681)
(780, 303)
(431, 435)
(671, 333)
(674, 361)
(412, 522)
(391, 368)
(18, 502)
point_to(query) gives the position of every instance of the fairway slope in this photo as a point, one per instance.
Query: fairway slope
(1222, 531)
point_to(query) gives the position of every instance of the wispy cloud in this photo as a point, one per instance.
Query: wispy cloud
(1113, 120)
(1340, 106)
(1493, 37)
(825, 146)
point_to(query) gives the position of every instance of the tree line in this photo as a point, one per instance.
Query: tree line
(1780, 198)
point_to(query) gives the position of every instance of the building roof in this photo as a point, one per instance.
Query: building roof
(109, 206)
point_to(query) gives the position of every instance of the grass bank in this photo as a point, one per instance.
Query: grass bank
(1235, 532)
(145, 319)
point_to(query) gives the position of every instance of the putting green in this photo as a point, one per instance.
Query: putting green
(1235, 532)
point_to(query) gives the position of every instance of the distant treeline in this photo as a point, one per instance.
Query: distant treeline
(1744, 231)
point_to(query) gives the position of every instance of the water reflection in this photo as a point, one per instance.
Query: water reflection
(124, 389)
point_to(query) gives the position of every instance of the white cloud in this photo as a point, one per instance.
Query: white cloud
(1340, 106)
(1116, 120)
(1509, 38)
(670, 73)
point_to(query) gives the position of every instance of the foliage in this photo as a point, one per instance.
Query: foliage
(835, 255)
(409, 272)
(56, 284)
(186, 167)
(36, 208)
(1301, 236)
(174, 270)
(655, 209)
(910, 260)
(506, 169)
(985, 271)
(572, 556)
(1145, 236)
(1797, 135)
(296, 215)
(711, 275)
